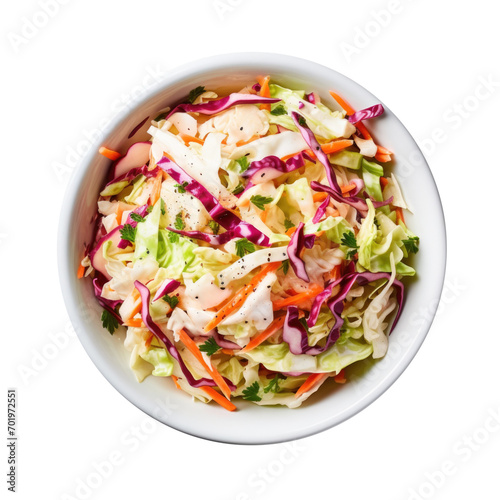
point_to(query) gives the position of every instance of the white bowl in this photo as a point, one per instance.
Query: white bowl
(333, 403)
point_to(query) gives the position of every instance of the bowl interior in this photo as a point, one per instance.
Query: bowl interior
(334, 403)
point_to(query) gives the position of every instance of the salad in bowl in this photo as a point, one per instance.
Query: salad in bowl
(254, 247)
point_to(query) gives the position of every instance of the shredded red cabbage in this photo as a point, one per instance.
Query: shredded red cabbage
(213, 107)
(110, 305)
(365, 114)
(358, 203)
(310, 97)
(136, 156)
(271, 167)
(313, 143)
(167, 286)
(242, 230)
(130, 175)
(321, 210)
(297, 243)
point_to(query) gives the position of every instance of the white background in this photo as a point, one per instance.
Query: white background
(432, 435)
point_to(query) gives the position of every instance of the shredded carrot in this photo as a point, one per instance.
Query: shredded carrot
(191, 345)
(175, 379)
(241, 295)
(383, 182)
(319, 196)
(363, 130)
(156, 192)
(335, 146)
(263, 215)
(311, 381)
(243, 143)
(268, 332)
(134, 322)
(348, 187)
(149, 340)
(383, 158)
(343, 104)
(264, 91)
(297, 299)
(290, 231)
(81, 271)
(218, 398)
(340, 377)
(383, 151)
(189, 138)
(229, 352)
(109, 153)
(399, 215)
(119, 213)
(334, 274)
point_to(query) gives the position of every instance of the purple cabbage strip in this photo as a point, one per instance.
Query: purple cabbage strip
(294, 332)
(365, 114)
(225, 218)
(273, 163)
(107, 304)
(301, 105)
(310, 97)
(225, 344)
(213, 107)
(313, 143)
(242, 230)
(157, 332)
(358, 203)
(319, 300)
(297, 243)
(256, 87)
(142, 211)
(167, 286)
(321, 210)
(378, 204)
(137, 127)
(133, 173)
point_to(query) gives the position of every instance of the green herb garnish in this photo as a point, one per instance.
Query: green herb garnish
(179, 223)
(171, 300)
(214, 226)
(195, 93)
(411, 244)
(127, 233)
(210, 347)
(109, 321)
(279, 110)
(259, 201)
(288, 224)
(137, 217)
(251, 393)
(243, 246)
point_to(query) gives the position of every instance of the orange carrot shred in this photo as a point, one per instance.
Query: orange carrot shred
(81, 271)
(109, 153)
(319, 196)
(218, 398)
(175, 379)
(311, 381)
(268, 332)
(299, 298)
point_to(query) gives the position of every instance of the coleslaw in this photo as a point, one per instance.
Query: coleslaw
(254, 247)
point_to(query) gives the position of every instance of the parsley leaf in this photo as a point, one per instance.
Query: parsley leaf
(173, 237)
(171, 300)
(376, 222)
(179, 223)
(243, 246)
(128, 233)
(137, 217)
(274, 385)
(214, 226)
(279, 110)
(161, 116)
(411, 244)
(349, 240)
(251, 393)
(259, 201)
(210, 346)
(162, 207)
(238, 189)
(149, 209)
(243, 163)
(285, 266)
(181, 188)
(288, 224)
(302, 121)
(195, 93)
(109, 321)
